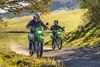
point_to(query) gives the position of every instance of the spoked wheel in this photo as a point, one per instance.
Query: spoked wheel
(39, 49)
(53, 45)
(59, 41)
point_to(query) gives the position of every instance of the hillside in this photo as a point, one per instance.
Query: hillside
(63, 4)
(70, 19)
(87, 35)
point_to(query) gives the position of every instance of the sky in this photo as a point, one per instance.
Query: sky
(2, 11)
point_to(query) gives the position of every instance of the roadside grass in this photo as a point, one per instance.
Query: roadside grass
(88, 36)
(11, 59)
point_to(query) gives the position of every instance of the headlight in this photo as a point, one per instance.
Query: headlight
(59, 32)
(39, 31)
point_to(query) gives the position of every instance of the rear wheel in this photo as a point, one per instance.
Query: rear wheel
(39, 49)
(59, 41)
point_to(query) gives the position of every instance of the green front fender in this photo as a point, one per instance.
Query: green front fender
(59, 36)
(40, 37)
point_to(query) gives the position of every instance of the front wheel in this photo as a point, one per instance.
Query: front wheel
(31, 49)
(39, 49)
(59, 44)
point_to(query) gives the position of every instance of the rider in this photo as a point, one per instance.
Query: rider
(55, 27)
(34, 23)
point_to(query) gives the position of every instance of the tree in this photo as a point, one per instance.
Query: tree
(93, 13)
(19, 6)
(3, 24)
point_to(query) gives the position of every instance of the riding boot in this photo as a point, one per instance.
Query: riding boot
(30, 46)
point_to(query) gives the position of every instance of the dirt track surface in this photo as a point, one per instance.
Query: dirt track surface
(69, 57)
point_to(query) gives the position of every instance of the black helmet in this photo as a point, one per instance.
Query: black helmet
(56, 22)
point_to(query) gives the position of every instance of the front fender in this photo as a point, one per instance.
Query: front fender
(40, 37)
(59, 36)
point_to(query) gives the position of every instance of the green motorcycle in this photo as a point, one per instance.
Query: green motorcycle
(57, 39)
(37, 42)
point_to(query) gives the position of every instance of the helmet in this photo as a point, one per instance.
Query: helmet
(36, 16)
(56, 22)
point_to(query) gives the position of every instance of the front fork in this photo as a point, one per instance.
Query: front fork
(55, 42)
(37, 46)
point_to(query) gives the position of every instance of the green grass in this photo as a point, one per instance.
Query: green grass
(7, 38)
(11, 59)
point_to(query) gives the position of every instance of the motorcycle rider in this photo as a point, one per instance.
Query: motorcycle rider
(34, 23)
(55, 27)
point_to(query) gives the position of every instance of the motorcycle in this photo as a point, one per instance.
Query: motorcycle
(57, 39)
(36, 42)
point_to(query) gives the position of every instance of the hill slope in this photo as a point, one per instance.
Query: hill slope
(62, 4)
(86, 35)
(70, 19)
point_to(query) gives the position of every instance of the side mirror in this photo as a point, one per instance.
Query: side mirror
(47, 23)
(63, 27)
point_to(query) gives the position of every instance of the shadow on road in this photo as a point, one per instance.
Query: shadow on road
(47, 50)
(80, 57)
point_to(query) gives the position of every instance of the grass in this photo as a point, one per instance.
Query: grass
(11, 59)
(88, 35)
(7, 38)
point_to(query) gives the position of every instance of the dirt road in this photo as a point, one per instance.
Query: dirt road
(69, 57)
